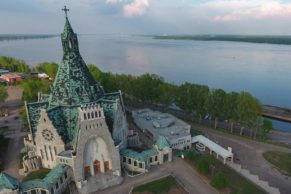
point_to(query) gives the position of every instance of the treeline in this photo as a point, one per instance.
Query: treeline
(285, 40)
(25, 36)
(13, 65)
(214, 104)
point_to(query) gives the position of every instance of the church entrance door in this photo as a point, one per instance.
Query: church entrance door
(87, 171)
(106, 165)
(97, 166)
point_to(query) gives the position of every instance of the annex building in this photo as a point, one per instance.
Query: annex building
(156, 124)
(77, 130)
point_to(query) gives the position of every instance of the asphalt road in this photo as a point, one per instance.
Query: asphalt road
(250, 157)
(15, 131)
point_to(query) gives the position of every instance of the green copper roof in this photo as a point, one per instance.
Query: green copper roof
(7, 182)
(139, 156)
(162, 143)
(73, 84)
(73, 87)
(51, 178)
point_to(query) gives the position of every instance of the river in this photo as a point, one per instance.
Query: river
(262, 69)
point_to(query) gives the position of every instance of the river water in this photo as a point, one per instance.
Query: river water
(262, 69)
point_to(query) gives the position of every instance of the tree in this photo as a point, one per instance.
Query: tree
(216, 104)
(49, 68)
(267, 127)
(13, 65)
(204, 166)
(249, 108)
(231, 108)
(202, 94)
(184, 97)
(146, 87)
(167, 93)
(257, 125)
(31, 88)
(95, 72)
(3, 94)
(219, 180)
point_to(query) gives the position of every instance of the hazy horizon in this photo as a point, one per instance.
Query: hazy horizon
(149, 17)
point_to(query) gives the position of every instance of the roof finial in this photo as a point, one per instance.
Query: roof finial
(65, 9)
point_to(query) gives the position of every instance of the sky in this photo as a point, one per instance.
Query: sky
(245, 17)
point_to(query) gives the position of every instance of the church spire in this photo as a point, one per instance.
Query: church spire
(69, 38)
(73, 84)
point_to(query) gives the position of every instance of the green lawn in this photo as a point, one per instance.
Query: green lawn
(40, 174)
(281, 160)
(234, 181)
(159, 186)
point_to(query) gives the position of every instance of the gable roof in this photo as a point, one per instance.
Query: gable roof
(162, 142)
(8, 182)
(139, 156)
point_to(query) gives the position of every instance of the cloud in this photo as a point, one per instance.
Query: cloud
(228, 11)
(137, 7)
(225, 18)
(113, 1)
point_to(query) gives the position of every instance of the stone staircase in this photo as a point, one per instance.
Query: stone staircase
(253, 178)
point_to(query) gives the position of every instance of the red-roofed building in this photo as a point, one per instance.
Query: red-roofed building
(10, 77)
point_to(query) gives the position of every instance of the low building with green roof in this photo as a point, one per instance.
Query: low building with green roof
(55, 181)
(142, 161)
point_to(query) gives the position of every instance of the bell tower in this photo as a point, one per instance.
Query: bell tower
(69, 38)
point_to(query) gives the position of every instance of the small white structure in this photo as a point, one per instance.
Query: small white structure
(213, 147)
(43, 76)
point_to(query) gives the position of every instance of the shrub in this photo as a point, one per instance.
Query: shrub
(219, 180)
(204, 166)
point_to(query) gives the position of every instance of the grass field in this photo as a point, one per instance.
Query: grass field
(281, 160)
(235, 182)
(161, 186)
(40, 174)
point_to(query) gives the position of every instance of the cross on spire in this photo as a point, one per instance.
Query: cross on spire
(65, 9)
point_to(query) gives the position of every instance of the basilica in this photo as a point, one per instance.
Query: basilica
(77, 124)
(80, 133)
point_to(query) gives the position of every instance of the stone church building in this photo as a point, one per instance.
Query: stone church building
(79, 131)
(77, 124)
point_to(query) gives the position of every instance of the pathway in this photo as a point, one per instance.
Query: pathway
(186, 175)
(15, 131)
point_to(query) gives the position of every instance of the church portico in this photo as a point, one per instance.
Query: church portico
(96, 154)
(96, 157)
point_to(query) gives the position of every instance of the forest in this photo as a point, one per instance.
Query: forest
(216, 104)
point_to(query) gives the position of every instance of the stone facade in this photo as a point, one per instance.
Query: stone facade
(77, 124)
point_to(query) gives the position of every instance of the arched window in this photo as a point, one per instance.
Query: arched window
(45, 150)
(41, 153)
(85, 116)
(55, 150)
(92, 115)
(88, 114)
(70, 44)
(51, 153)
